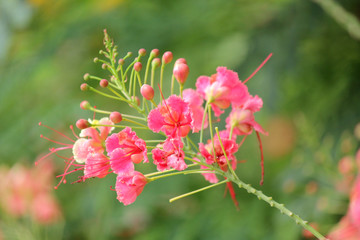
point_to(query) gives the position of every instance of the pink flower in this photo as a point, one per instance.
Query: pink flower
(45, 209)
(84, 148)
(173, 117)
(197, 111)
(91, 140)
(230, 147)
(96, 165)
(222, 89)
(349, 226)
(125, 149)
(169, 155)
(242, 119)
(129, 186)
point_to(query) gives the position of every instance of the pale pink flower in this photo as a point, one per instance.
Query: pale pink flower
(173, 117)
(129, 186)
(169, 155)
(45, 209)
(197, 111)
(222, 89)
(92, 140)
(242, 119)
(125, 148)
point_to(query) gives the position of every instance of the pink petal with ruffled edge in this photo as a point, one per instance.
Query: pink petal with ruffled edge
(129, 186)
(96, 165)
(121, 162)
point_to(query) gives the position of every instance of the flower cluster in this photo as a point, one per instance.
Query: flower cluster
(100, 150)
(26, 192)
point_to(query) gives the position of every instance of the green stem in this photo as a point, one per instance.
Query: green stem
(132, 121)
(203, 122)
(161, 76)
(104, 94)
(118, 126)
(178, 173)
(167, 171)
(261, 196)
(211, 131)
(196, 191)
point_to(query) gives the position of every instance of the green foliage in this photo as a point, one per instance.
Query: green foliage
(312, 79)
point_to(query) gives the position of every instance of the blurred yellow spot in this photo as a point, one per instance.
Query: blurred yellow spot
(37, 3)
(104, 6)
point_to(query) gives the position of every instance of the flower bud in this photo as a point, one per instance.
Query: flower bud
(82, 124)
(104, 83)
(181, 72)
(115, 117)
(121, 61)
(156, 62)
(180, 60)
(147, 91)
(142, 52)
(84, 87)
(138, 66)
(85, 105)
(167, 57)
(96, 60)
(104, 66)
(154, 53)
(86, 76)
(129, 54)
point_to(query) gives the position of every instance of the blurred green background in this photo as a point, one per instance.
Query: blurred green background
(310, 89)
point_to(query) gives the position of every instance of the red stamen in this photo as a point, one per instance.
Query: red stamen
(72, 129)
(262, 158)
(112, 189)
(258, 68)
(60, 143)
(242, 141)
(52, 150)
(40, 124)
(232, 194)
(162, 96)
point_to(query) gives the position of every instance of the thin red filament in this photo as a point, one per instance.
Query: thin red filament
(258, 68)
(262, 158)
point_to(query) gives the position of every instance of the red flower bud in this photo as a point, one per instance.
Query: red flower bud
(156, 62)
(167, 57)
(180, 60)
(104, 83)
(181, 72)
(115, 117)
(85, 105)
(82, 124)
(121, 61)
(142, 52)
(84, 87)
(86, 76)
(138, 66)
(147, 92)
(154, 53)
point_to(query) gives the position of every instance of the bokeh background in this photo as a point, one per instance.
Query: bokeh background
(310, 89)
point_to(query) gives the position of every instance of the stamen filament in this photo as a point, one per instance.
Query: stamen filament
(258, 68)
